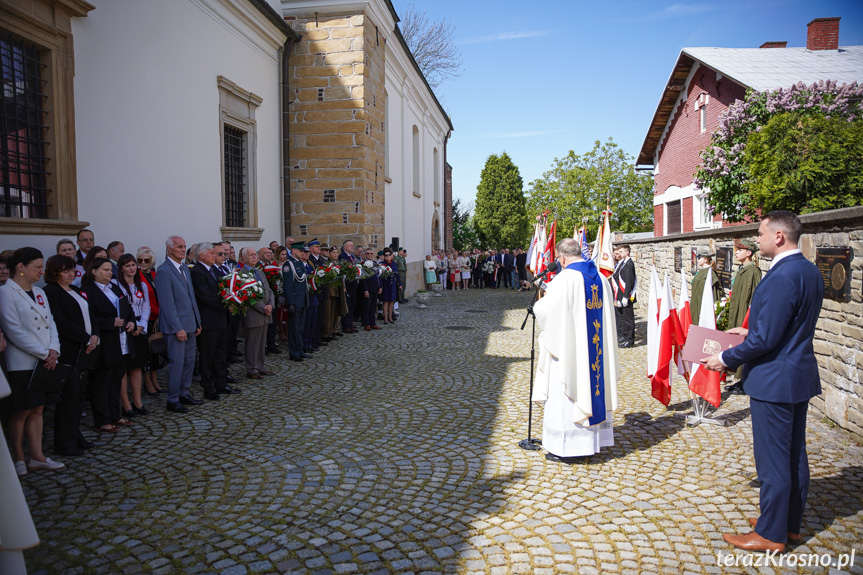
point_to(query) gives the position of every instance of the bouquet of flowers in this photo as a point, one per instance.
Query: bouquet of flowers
(273, 273)
(240, 290)
(328, 275)
(488, 267)
(721, 310)
(353, 272)
(385, 271)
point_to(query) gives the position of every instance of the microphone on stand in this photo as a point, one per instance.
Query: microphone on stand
(552, 268)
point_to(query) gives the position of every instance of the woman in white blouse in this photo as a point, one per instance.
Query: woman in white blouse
(138, 297)
(25, 318)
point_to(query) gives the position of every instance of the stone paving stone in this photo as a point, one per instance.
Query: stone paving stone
(396, 452)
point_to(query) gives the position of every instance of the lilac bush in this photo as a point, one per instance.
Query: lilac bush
(723, 171)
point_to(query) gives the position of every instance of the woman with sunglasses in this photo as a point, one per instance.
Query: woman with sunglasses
(137, 296)
(147, 271)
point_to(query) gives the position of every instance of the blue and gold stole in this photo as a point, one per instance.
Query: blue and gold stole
(593, 298)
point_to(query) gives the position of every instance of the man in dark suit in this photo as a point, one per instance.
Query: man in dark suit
(780, 375)
(350, 289)
(623, 282)
(214, 323)
(180, 322)
(317, 261)
(86, 240)
(370, 288)
(295, 285)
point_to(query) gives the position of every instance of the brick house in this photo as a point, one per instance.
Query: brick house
(367, 133)
(703, 83)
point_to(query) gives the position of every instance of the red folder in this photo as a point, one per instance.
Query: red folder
(702, 342)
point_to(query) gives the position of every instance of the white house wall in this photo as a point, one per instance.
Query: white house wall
(147, 119)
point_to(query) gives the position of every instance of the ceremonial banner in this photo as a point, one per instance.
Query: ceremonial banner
(605, 263)
(533, 245)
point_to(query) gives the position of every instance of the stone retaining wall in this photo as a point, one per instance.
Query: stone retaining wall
(839, 334)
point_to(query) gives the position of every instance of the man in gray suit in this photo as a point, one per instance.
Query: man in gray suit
(256, 319)
(179, 322)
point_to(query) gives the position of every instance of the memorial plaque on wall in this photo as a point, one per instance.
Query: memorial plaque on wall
(678, 259)
(835, 267)
(723, 266)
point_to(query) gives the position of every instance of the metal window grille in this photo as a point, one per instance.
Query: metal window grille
(24, 163)
(235, 177)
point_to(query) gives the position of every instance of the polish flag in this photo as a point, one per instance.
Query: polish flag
(704, 382)
(533, 247)
(537, 256)
(660, 383)
(684, 320)
(653, 323)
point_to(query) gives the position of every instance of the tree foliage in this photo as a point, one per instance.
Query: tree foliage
(577, 186)
(432, 46)
(501, 216)
(724, 171)
(464, 234)
(805, 163)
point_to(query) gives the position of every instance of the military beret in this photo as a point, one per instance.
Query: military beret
(749, 245)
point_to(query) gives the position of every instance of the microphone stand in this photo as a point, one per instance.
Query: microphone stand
(531, 444)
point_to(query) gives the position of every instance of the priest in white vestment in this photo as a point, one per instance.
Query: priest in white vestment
(576, 378)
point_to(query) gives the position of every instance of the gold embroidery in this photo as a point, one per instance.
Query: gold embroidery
(595, 302)
(594, 367)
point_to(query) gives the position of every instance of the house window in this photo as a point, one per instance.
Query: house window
(23, 166)
(238, 131)
(235, 177)
(702, 112)
(702, 217)
(673, 217)
(436, 168)
(416, 161)
(38, 188)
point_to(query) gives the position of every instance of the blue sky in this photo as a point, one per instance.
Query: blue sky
(545, 77)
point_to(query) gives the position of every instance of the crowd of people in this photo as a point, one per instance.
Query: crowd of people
(99, 323)
(455, 270)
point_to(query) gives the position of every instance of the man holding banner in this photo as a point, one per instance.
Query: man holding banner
(578, 370)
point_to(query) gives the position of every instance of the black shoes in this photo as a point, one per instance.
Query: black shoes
(190, 401)
(274, 350)
(211, 395)
(231, 379)
(84, 444)
(70, 452)
(736, 389)
(175, 407)
(141, 410)
(229, 390)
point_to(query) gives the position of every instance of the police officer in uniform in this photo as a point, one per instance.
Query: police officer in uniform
(295, 282)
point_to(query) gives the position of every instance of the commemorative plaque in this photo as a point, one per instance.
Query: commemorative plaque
(835, 267)
(723, 267)
(678, 259)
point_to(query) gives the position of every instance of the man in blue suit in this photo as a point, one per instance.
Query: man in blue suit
(780, 375)
(179, 322)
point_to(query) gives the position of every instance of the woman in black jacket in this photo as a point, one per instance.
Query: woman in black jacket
(115, 320)
(79, 336)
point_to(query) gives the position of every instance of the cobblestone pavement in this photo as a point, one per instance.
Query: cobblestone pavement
(396, 451)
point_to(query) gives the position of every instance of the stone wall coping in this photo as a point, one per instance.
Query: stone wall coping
(818, 219)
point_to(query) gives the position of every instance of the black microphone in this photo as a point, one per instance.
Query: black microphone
(550, 269)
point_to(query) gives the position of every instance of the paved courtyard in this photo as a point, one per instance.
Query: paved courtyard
(396, 451)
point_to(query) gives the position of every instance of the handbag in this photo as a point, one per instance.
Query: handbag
(157, 342)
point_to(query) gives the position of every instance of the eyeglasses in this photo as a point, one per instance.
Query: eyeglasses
(143, 260)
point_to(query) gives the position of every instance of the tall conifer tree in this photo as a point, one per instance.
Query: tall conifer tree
(500, 214)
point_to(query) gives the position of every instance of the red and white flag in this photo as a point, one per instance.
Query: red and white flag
(548, 249)
(540, 246)
(660, 383)
(684, 320)
(704, 382)
(653, 323)
(533, 247)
